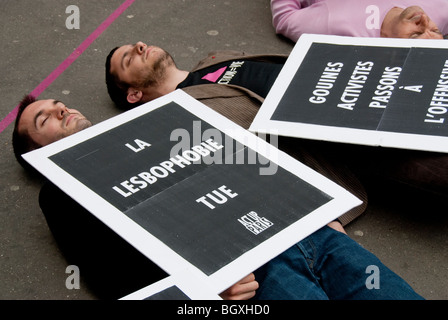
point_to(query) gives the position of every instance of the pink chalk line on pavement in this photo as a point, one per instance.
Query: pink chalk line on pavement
(68, 61)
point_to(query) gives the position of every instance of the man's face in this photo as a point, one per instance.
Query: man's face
(47, 121)
(139, 65)
(413, 23)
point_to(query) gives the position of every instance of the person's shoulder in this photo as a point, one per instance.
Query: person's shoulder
(47, 192)
(52, 201)
(219, 56)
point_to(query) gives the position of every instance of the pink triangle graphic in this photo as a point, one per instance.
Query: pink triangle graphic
(214, 76)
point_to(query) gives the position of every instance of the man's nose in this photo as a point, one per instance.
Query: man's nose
(423, 21)
(60, 111)
(140, 47)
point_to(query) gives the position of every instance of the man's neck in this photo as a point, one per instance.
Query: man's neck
(172, 79)
(177, 77)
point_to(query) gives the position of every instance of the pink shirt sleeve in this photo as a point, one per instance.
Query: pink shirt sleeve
(292, 18)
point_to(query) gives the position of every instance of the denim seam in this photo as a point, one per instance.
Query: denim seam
(309, 258)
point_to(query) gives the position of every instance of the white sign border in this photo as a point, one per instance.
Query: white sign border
(185, 282)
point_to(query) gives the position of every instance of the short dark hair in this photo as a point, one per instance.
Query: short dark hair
(117, 89)
(21, 140)
(445, 36)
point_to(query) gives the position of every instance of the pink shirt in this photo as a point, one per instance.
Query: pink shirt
(355, 18)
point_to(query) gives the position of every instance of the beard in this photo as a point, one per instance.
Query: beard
(155, 75)
(81, 122)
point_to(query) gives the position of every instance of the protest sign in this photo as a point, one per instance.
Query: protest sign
(192, 190)
(369, 91)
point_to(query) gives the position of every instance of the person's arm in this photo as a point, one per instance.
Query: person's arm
(242, 290)
(292, 18)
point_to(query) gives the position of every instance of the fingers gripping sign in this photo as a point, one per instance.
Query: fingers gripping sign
(242, 290)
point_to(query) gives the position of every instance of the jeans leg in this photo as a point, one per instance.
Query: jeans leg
(288, 277)
(348, 271)
(329, 265)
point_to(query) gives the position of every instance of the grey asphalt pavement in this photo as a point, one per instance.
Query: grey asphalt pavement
(408, 231)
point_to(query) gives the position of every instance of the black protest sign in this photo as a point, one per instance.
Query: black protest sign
(191, 190)
(208, 212)
(388, 92)
(335, 85)
(419, 103)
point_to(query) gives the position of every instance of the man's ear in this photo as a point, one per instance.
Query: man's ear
(134, 95)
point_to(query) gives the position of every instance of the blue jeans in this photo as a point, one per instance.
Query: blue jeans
(329, 265)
